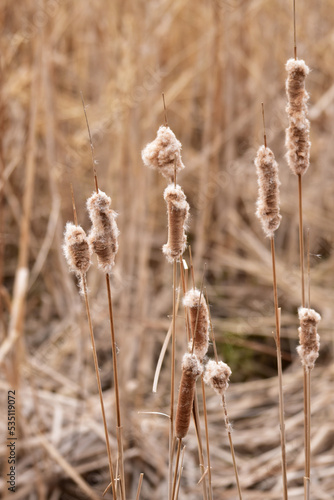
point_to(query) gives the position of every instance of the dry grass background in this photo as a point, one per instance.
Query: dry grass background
(215, 61)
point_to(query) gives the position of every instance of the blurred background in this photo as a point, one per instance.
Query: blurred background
(216, 61)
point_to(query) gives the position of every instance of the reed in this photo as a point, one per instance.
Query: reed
(164, 155)
(78, 253)
(268, 212)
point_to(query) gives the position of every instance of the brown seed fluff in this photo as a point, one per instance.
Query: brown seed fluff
(198, 312)
(268, 210)
(103, 236)
(191, 369)
(297, 139)
(217, 376)
(164, 153)
(309, 339)
(76, 248)
(178, 212)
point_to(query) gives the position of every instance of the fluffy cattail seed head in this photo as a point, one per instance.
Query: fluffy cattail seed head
(199, 313)
(297, 142)
(297, 139)
(104, 234)
(268, 186)
(217, 376)
(164, 153)
(178, 212)
(309, 339)
(76, 248)
(191, 369)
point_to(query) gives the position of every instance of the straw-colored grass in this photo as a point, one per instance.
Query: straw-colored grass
(216, 62)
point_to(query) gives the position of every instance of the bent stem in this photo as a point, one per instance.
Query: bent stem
(96, 366)
(228, 428)
(119, 428)
(279, 372)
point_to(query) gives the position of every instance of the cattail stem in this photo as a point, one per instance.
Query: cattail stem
(195, 404)
(180, 475)
(119, 428)
(279, 372)
(96, 366)
(207, 438)
(172, 386)
(306, 384)
(177, 461)
(301, 237)
(139, 485)
(228, 428)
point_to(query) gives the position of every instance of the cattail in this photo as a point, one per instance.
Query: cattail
(164, 153)
(104, 234)
(309, 339)
(178, 212)
(76, 249)
(268, 187)
(191, 369)
(199, 315)
(217, 375)
(297, 139)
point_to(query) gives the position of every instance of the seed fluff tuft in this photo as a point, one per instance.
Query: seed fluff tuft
(164, 153)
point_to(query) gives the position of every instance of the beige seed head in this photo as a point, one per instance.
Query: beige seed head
(309, 339)
(198, 312)
(103, 236)
(76, 249)
(191, 369)
(297, 138)
(178, 213)
(268, 210)
(164, 153)
(217, 376)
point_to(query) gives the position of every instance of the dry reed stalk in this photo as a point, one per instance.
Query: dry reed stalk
(217, 376)
(195, 404)
(78, 253)
(268, 211)
(191, 370)
(104, 240)
(164, 154)
(141, 477)
(308, 351)
(298, 156)
(196, 304)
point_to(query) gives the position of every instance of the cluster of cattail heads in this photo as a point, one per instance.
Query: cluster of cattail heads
(309, 339)
(297, 139)
(217, 375)
(104, 233)
(164, 153)
(191, 370)
(178, 212)
(268, 210)
(199, 321)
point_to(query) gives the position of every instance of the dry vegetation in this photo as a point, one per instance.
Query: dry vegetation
(216, 61)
